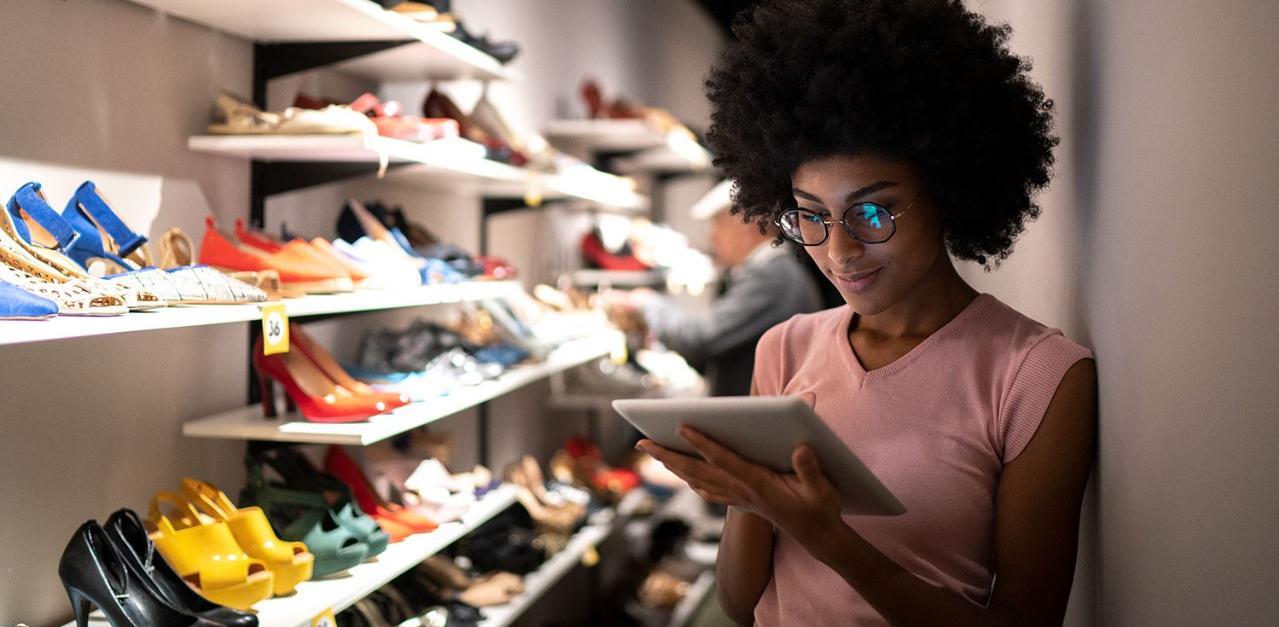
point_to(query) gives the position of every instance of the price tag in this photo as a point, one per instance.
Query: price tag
(325, 619)
(275, 329)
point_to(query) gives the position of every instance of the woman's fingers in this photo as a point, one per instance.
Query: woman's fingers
(714, 452)
(804, 461)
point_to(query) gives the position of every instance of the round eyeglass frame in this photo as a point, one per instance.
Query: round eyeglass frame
(892, 217)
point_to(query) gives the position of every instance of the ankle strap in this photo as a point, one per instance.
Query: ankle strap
(88, 201)
(28, 200)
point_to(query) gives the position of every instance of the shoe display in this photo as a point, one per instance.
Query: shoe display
(340, 465)
(31, 222)
(297, 266)
(94, 575)
(318, 397)
(289, 562)
(300, 474)
(129, 538)
(233, 115)
(306, 517)
(205, 553)
(75, 297)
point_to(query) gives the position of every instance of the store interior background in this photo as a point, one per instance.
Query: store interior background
(1156, 248)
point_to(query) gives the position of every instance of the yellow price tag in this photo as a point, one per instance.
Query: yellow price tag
(325, 619)
(275, 329)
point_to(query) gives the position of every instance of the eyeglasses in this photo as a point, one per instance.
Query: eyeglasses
(866, 222)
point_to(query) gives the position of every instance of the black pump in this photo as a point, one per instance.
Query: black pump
(129, 539)
(95, 575)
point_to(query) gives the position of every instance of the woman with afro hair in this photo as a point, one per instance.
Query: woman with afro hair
(888, 137)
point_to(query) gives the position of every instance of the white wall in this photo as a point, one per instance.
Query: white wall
(1156, 249)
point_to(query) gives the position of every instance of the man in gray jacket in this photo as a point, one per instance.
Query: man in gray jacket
(764, 285)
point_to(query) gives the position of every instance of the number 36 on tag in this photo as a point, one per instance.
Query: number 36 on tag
(275, 329)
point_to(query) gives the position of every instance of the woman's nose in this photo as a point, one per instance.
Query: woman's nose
(842, 250)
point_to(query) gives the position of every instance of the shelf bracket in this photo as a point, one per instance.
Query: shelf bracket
(281, 59)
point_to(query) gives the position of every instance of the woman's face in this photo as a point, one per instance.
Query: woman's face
(871, 277)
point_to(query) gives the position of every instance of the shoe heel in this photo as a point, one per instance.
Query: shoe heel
(267, 390)
(290, 405)
(81, 605)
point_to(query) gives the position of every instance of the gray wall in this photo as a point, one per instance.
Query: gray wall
(1156, 248)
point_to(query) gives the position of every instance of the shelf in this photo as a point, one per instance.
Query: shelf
(538, 582)
(341, 591)
(432, 55)
(702, 587)
(69, 327)
(604, 135)
(616, 278)
(451, 162)
(247, 423)
(653, 151)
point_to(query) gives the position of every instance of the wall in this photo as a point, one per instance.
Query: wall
(1156, 249)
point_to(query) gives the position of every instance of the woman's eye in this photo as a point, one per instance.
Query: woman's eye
(815, 219)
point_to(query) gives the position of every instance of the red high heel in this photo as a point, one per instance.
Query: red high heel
(314, 394)
(340, 465)
(333, 370)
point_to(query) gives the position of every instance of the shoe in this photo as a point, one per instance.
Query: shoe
(359, 275)
(330, 366)
(340, 465)
(305, 516)
(19, 304)
(297, 270)
(108, 247)
(95, 575)
(298, 248)
(311, 391)
(386, 267)
(300, 474)
(233, 116)
(129, 539)
(289, 562)
(207, 556)
(31, 222)
(74, 297)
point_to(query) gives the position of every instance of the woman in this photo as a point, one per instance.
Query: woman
(887, 136)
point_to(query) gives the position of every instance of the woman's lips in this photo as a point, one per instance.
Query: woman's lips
(857, 283)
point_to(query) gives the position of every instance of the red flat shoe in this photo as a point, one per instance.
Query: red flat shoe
(340, 465)
(316, 396)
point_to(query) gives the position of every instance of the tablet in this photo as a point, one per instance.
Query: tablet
(765, 430)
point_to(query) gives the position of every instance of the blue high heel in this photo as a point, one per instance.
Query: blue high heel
(47, 236)
(87, 212)
(19, 304)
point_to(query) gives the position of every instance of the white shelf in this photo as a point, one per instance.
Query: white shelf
(433, 55)
(341, 591)
(661, 160)
(607, 135)
(697, 593)
(450, 162)
(616, 278)
(247, 423)
(655, 151)
(538, 582)
(68, 327)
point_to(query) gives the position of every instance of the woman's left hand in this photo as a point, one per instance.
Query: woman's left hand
(799, 503)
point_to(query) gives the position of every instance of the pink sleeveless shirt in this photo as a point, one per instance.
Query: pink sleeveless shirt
(936, 426)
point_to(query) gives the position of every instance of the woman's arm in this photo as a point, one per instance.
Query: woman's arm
(745, 564)
(1036, 519)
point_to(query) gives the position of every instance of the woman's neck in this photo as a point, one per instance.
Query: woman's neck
(940, 296)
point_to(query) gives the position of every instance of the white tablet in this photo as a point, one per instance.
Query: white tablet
(766, 430)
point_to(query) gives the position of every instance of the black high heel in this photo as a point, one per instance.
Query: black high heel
(95, 575)
(129, 539)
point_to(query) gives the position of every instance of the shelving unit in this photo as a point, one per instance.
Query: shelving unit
(632, 146)
(68, 327)
(247, 423)
(448, 162)
(538, 582)
(616, 278)
(338, 592)
(409, 50)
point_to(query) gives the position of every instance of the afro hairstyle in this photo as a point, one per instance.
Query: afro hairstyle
(924, 81)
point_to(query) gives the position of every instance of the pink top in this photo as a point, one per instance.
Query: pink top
(936, 426)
